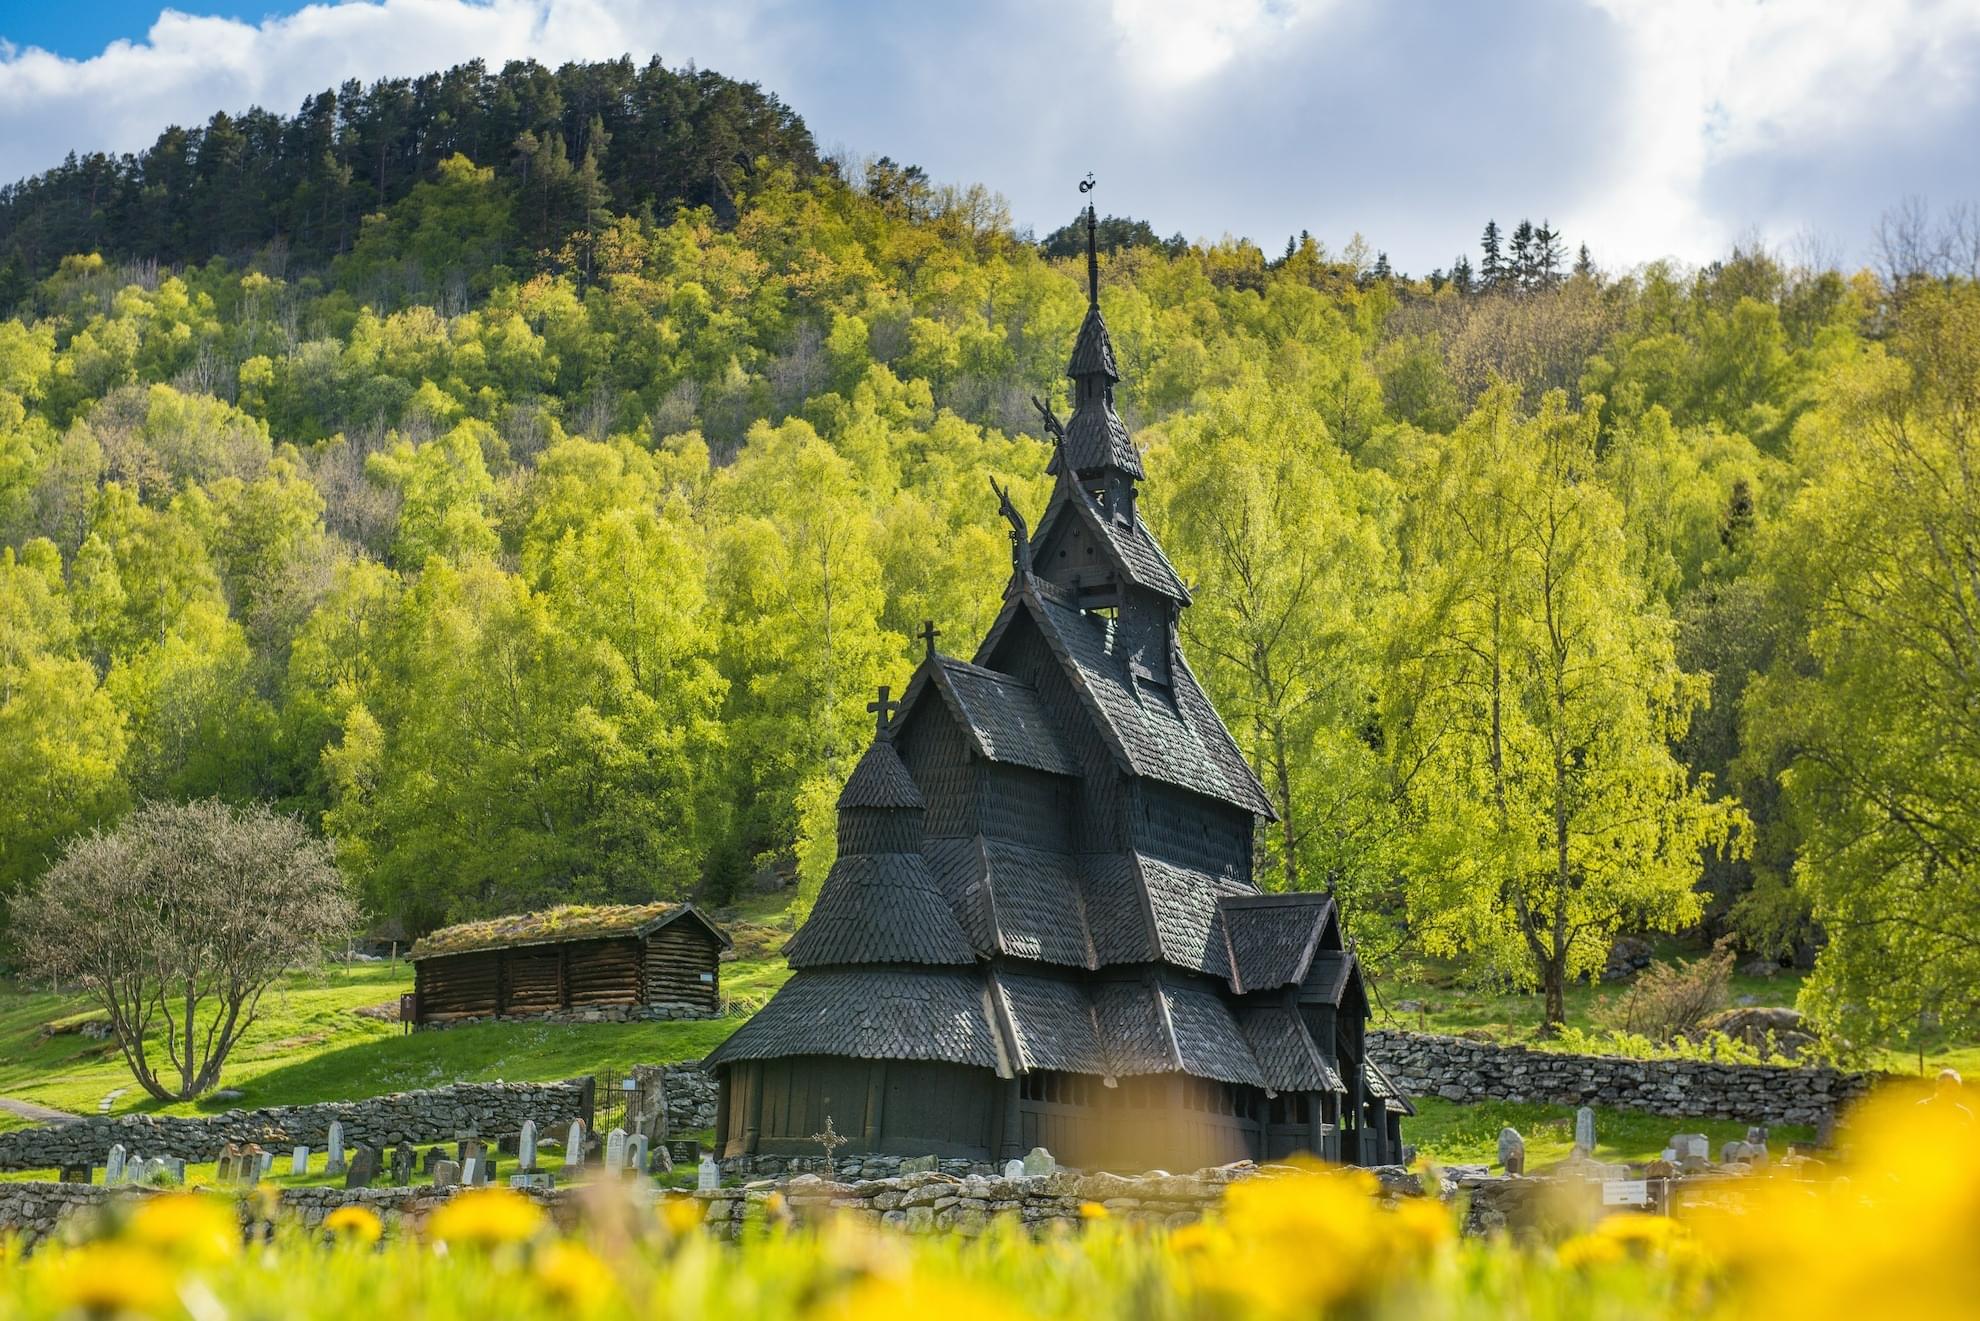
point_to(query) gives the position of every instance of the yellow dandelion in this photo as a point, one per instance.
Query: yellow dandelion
(1641, 1235)
(354, 1224)
(190, 1225)
(1092, 1211)
(486, 1217)
(1195, 1237)
(918, 1294)
(1588, 1251)
(681, 1215)
(112, 1279)
(774, 1204)
(573, 1275)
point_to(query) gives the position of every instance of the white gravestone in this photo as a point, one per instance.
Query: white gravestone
(114, 1170)
(526, 1147)
(335, 1165)
(471, 1171)
(299, 1161)
(1039, 1161)
(709, 1176)
(267, 1162)
(1584, 1130)
(636, 1153)
(1013, 1169)
(615, 1151)
(574, 1146)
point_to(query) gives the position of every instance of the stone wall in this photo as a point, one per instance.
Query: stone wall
(440, 1114)
(692, 1095)
(1457, 1069)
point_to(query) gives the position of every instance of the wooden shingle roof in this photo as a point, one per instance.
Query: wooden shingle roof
(555, 926)
(879, 908)
(874, 1013)
(1274, 937)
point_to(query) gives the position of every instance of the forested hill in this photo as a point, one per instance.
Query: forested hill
(583, 140)
(546, 543)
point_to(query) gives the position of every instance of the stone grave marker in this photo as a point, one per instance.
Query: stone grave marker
(402, 1164)
(1039, 1161)
(363, 1168)
(268, 1161)
(84, 1173)
(490, 1166)
(1512, 1151)
(335, 1165)
(1696, 1146)
(526, 1147)
(685, 1151)
(178, 1169)
(709, 1176)
(156, 1171)
(223, 1168)
(662, 1160)
(113, 1170)
(636, 1154)
(1584, 1130)
(469, 1148)
(446, 1173)
(615, 1151)
(299, 1161)
(574, 1146)
(247, 1170)
(1013, 1169)
(471, 1171)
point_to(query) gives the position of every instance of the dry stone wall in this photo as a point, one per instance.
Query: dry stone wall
(438, 1114)
(1458, 1069)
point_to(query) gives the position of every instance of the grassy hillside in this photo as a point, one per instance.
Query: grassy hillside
(327, 1034)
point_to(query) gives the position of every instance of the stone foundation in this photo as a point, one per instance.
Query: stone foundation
(660, 1013)
(488, 1110)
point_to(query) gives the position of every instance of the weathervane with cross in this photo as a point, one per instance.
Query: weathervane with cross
(831, 1139)
(883, 709)
(928, 635)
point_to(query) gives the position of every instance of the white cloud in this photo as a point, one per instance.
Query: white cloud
(1711, 83)
(1176, 42)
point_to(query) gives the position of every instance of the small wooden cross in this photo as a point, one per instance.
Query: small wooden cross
(928, 635)
(883, 709)
(831, 1139)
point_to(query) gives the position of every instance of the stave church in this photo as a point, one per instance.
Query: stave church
(1042, 928)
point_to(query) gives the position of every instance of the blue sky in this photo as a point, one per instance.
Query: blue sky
(1647, 129)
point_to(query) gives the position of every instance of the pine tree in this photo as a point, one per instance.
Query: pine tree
(1547, 255)
(1522, 273)
(1493, 269)
(1381, 271)
(1584, 265)
(1461, 274)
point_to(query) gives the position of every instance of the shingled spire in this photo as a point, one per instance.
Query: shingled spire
(1103, 456)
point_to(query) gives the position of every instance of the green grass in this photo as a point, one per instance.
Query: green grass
(1469, 1134)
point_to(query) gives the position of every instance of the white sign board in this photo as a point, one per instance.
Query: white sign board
(1625, 1192)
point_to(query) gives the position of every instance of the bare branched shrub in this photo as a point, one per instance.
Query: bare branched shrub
(176, 921)
(1669, 1000)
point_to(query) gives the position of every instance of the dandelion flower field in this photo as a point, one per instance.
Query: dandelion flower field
(1890, 1230)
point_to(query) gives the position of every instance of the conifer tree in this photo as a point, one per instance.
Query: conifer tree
(1584, 265)
(1546, 255)
(1521, 256)
(1492, 270)
(1461, 274)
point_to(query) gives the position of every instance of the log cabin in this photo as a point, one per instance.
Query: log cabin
(1042, 927)
(618, 961)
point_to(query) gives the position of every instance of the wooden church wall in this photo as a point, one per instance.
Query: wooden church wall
(938, 758)
(1028, 807)
(896, 1107)
(1099, 820)
(1188, 831)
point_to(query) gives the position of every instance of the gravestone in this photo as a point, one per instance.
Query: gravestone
(299, 1161)
(335, 1165)
(1039, 1161)
(615, 1151)
(636, 1154)
(471, 1171)
(78, 1173)
(223, 1169)
(247, 1170)
(1584, 1130)
(1013, 1169)
(662, 1160)
(363, 1168)
(487, 1170)
(431, 1157)
(446, 1173)
(113, 1170)
(402, 1164)
(268, 1162)
(526, 1147)
(156, 1171)
(1512, 1151)
(468, 1149)
(1756, 1135)
(1693, 1146)
(178, 1169)
(574, 1146)
(684, 1151)
(709, 1176)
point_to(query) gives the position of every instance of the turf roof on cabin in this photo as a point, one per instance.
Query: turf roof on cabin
(553, 926)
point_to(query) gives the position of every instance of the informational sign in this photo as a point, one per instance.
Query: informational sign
(1625, 1192)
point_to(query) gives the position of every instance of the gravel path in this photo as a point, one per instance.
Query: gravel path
(39, 1114)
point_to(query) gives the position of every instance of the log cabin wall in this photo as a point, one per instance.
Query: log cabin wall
(455, 986)
(683, 966)
(602, 973)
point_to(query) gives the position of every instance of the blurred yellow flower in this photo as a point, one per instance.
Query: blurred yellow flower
(681, 1215)
(486, 1217)
(354, 1224)
(573, 1275)
(1092, 1211)
(112, 1279)
(197, 1226)
(918, 1295)
(1589, 1250)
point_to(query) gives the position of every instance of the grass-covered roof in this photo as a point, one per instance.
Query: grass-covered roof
(554, 926)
